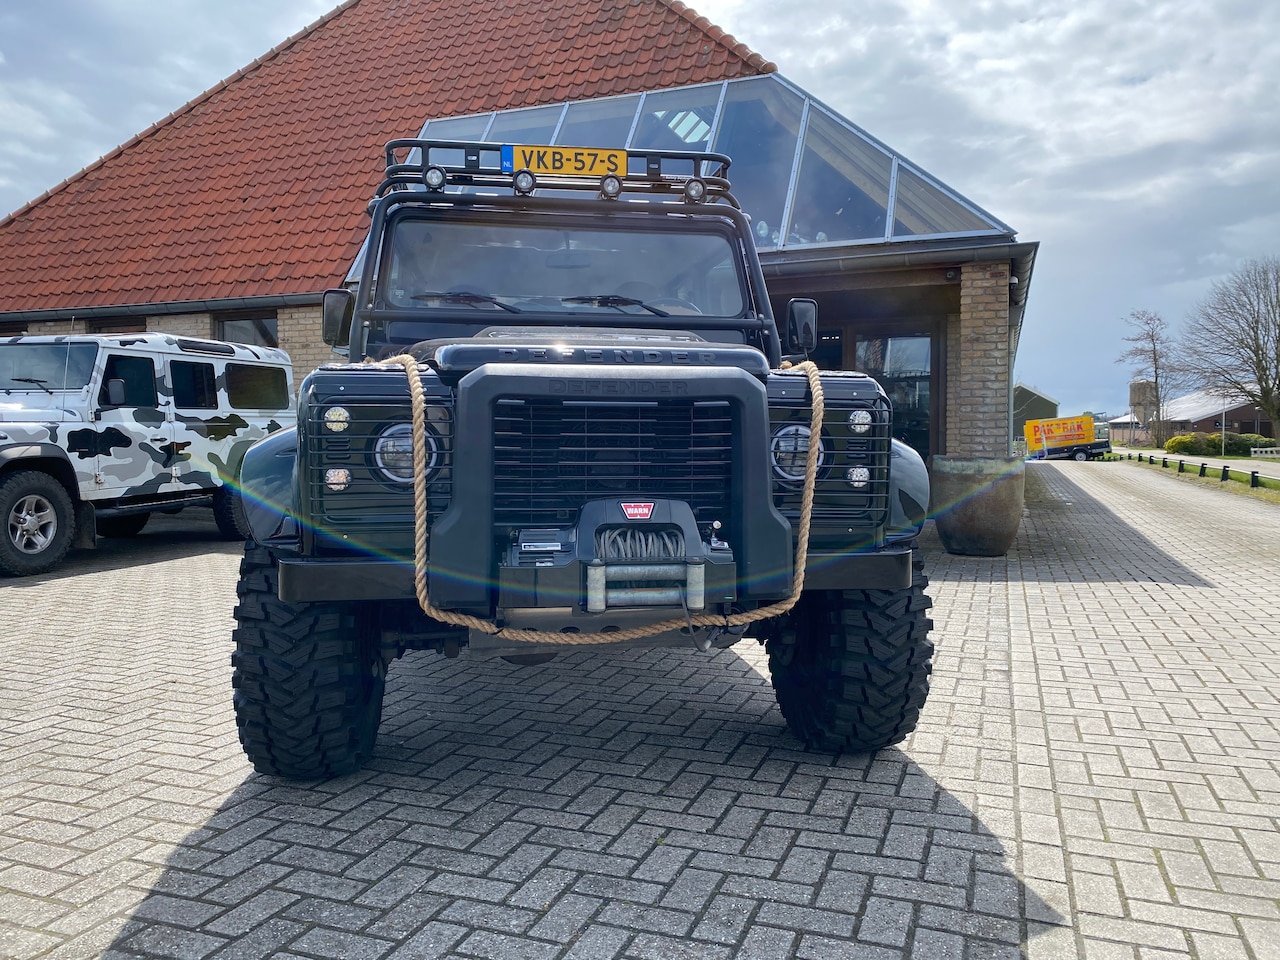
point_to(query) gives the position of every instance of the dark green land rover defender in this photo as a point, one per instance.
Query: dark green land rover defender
(568, 421)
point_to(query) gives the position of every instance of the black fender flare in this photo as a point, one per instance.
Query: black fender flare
(269, 489)
(908, 493)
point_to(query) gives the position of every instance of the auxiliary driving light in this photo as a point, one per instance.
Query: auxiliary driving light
(337, 479)
(337, 419)
(434, 177)
(695, 190)
(858, 476)
(860, 421)
(610, 186)
(524, 182)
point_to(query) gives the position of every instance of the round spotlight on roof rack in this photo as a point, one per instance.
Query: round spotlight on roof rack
(524, 182)
(695, 190)
(610, 186)
(434, 177)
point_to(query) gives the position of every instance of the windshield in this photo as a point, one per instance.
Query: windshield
(506, 268)
(46, 366)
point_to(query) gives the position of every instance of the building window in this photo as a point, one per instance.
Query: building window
(259, 329)
(116, 325)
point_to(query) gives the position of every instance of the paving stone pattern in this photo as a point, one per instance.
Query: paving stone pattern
(1095, 774)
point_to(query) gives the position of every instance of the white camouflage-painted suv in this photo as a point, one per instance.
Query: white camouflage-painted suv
(98, 432)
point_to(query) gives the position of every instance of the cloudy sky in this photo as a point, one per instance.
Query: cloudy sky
(1137, 140)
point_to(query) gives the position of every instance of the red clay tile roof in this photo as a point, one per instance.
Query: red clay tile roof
(257, 187)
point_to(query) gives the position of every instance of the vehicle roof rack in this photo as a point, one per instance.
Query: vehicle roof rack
(432, 165)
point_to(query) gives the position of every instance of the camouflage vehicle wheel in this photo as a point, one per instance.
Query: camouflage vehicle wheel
(228, 513)
(130, 525)
(38, 522)
(308, 679)
(851, 668)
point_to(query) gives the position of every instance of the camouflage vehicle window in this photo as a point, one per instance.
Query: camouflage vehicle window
(195, 387)
(256, 388)
(139, 376)
(56, 366)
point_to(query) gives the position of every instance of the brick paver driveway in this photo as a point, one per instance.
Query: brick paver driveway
(1095, 774)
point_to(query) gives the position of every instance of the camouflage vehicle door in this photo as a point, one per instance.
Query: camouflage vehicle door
(133, 444)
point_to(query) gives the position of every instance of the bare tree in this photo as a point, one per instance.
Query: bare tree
(1152, 356)
(1233, 340)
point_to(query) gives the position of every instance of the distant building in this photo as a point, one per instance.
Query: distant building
(1031, 404)
(1206, 411)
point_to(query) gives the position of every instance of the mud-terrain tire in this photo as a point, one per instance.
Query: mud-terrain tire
(37, 523)
(851, 668)
(308, 679)
(228, 513)
(129, 525)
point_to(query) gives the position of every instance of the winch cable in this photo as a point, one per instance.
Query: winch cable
(520, 634)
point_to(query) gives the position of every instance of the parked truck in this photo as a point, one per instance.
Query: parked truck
(1065, 438)
(567, 420)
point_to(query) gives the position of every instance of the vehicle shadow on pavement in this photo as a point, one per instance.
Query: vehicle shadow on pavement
(1066, 535)
(164, 538)
(635, 804)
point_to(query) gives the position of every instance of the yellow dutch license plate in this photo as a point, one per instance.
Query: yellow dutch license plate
(564, 161)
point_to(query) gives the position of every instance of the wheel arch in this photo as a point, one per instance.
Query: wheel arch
(47, 458)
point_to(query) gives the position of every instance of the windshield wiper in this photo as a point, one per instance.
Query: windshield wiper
(613, 300)
(465, 296)
(38, 383)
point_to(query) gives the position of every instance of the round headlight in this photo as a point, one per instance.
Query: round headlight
(337, 419)
(337, 479)
(860, 421)
(858, 476)
(789, 451)
(524, 182)
(393, 453)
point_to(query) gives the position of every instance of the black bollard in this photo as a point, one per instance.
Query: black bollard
(1182, 466)
(1253, 479)
(1203, 468)
(1226, 474)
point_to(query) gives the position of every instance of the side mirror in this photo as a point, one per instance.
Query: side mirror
(115, 393)
(802, 326)
(336, 310)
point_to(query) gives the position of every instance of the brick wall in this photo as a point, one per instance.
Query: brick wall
(299, 331)
(979, 378)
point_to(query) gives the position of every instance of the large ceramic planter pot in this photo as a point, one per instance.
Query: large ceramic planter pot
(977, 504)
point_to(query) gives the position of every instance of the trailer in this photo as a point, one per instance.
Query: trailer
(1065, 438)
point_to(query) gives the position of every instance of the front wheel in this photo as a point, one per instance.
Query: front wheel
(851, 668)
(308, 679)
(38, 523)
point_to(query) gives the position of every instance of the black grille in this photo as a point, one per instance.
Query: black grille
(551, 457)
(835, 500)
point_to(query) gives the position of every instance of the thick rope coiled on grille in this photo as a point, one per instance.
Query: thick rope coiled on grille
(421, 553)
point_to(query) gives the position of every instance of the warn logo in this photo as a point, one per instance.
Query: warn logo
(637, 511)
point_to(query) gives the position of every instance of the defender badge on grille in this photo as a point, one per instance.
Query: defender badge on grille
(637, 511)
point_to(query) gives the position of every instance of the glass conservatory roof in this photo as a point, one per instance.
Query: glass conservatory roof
(807, 176)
